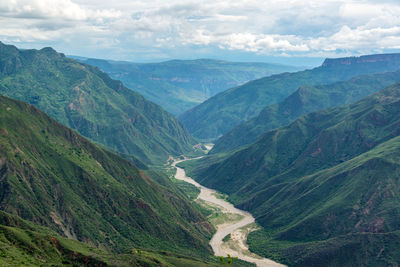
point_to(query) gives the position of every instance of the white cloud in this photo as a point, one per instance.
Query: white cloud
(42, 9)
(249, 42)
(280, 27)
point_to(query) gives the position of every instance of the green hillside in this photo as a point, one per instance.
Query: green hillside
(87, 100)
(325, 188)
(223, 112)
(23, 243)
(304, 100)
(347, 215)
(52, 176)
(179, 85)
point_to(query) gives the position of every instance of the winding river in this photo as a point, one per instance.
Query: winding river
(223, 230)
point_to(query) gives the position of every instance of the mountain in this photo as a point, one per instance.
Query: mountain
(23, 243)
(223, 112)
(54, 177)
(325, 188)
(347, 215)
(179, 85)
(89, 101)
(304, 100)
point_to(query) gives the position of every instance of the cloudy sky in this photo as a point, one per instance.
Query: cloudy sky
(153, 30)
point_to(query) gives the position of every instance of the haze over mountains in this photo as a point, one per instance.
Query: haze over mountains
(223, 112)
(312, 155)
(179, 85)
(200, 133)
(304, 100)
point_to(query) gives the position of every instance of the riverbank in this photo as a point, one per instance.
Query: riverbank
(238, 229)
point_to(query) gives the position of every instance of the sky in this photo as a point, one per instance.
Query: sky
(298, 32)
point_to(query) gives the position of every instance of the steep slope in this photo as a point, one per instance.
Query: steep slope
(347, 215)
(23, 243)
(223, 112)
(87, 100)
(305, 100)
(51, 175)
(179, 85)
(324, 187)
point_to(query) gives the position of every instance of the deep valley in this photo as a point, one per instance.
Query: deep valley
(218, 163)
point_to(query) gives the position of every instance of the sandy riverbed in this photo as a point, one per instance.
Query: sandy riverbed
(216, 242)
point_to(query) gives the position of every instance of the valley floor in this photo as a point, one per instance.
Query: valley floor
(230, 221)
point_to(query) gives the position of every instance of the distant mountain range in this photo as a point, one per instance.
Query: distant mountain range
(179, 85)
(325, 188)
(221, 113)
(304, 100)
(86, 99)
(313, 155)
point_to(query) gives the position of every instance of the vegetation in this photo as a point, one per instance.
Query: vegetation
(227, 238)
(305, 100)
(325, 188)
(227, 261)
(87, 100)
(179, 85)
(52, 176)
(23, 243)
(191, 191)
(223, 112)
(219, 217)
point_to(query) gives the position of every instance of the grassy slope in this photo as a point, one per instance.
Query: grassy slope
(23, 243)
(179, 85)
(223, 112)
(347, 215)
(87, 100)
(306, 99)
(51, 175)
(322, 187)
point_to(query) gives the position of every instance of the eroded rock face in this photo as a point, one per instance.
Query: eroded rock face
(392, 59)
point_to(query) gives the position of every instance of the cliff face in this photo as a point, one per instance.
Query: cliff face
(383, 58)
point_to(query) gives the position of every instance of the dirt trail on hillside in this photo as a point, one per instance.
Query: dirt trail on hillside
(241, 251)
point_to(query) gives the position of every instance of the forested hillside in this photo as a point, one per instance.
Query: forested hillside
(223, 112)
(86, 99)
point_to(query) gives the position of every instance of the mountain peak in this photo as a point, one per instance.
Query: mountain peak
(49, 51)
(6, 47)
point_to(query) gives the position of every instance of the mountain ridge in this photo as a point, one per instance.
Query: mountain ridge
(361, 59)
(56, 178)
(321, 185)
(304, 100)
(221, 113)
(178, 85)
(88, 100)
